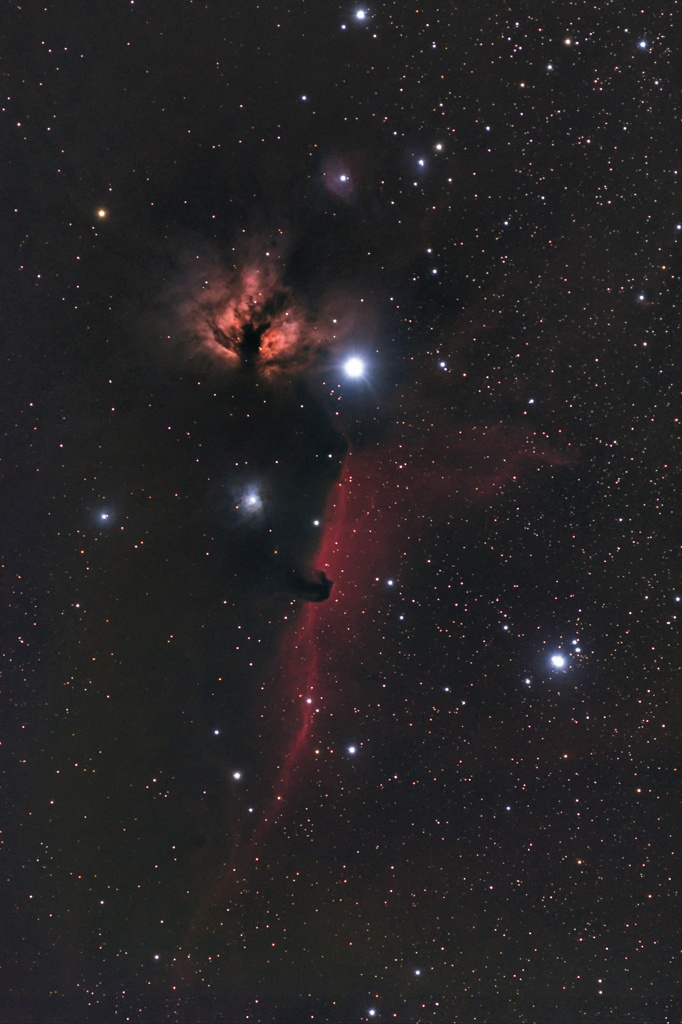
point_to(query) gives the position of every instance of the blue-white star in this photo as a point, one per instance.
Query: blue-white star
(354, 367)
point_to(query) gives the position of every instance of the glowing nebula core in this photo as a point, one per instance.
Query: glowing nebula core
(247, 315)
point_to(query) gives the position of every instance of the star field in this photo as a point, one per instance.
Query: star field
(340, 541)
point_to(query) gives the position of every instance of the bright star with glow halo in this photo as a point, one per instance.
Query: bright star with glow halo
(251, 501)
(354, 367)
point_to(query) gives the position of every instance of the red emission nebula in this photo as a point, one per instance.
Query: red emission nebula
(386, 499)
(246, 315)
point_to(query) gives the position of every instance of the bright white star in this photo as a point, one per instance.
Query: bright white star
(251, 501)
(558, 660)
(354, 367)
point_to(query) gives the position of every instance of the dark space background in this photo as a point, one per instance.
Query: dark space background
(450, 792)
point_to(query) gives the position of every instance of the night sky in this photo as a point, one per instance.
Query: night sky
(340, 511)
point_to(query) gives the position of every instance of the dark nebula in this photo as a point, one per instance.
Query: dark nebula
(317, 589)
